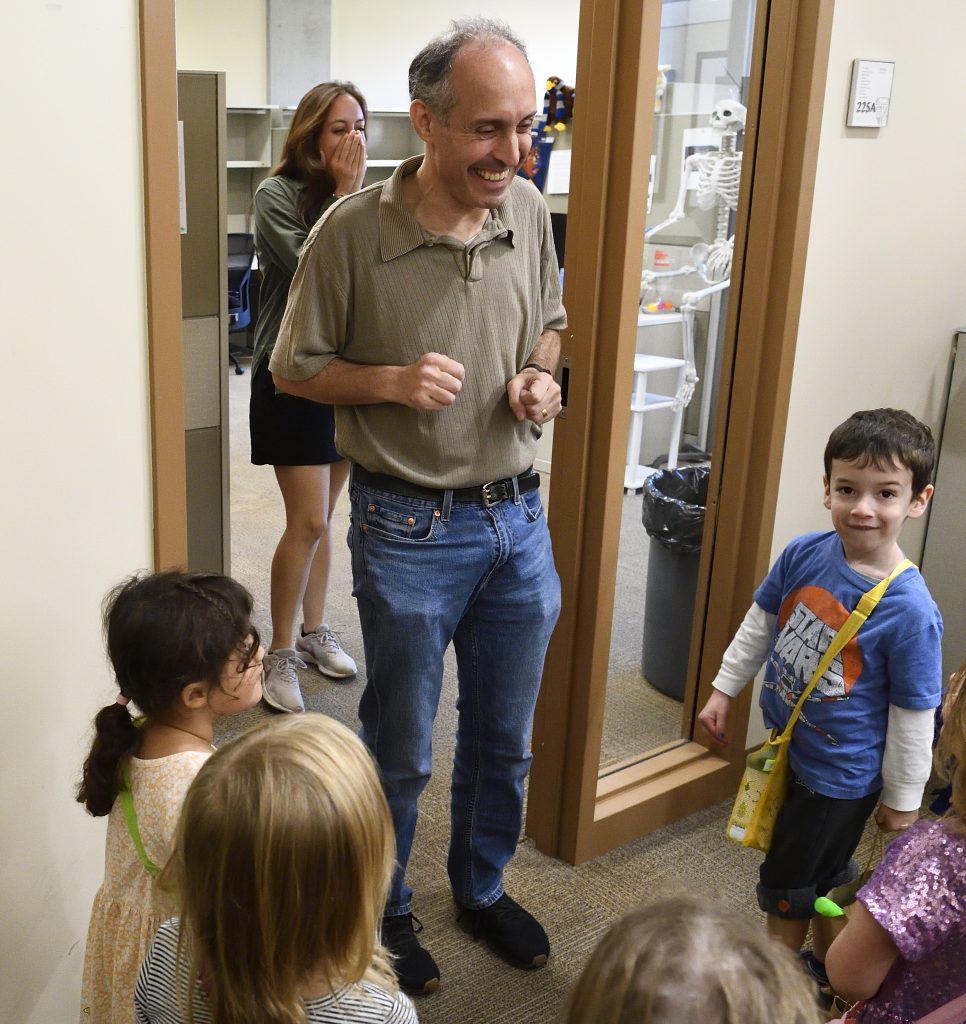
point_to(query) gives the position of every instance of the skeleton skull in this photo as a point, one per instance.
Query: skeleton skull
(728, 116)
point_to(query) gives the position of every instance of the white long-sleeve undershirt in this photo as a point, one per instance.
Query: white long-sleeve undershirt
(908, 748)
(746, 653)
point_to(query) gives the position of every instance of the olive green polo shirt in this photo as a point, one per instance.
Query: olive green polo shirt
(373, 287)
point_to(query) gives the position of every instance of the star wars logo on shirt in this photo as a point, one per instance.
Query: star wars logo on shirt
(809, 619)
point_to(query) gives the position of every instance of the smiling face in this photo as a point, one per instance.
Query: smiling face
(344, 115)
(869, 506)
(472, 156)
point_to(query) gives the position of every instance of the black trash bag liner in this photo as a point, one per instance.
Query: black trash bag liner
(674, 504)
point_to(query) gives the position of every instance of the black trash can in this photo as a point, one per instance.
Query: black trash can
(673, 515)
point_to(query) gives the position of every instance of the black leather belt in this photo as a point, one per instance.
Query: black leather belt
(486, 494)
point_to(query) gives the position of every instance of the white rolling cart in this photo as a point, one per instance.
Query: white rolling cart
(644, 401)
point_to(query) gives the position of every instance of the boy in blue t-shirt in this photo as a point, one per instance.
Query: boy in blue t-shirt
(865, 733)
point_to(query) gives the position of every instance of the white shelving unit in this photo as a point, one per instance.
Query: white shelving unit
(389, 140)
(249, 132)
(645, 400)
(256, 136)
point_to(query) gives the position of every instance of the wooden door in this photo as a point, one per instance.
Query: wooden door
(576, 811)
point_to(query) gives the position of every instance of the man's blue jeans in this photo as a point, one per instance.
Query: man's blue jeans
(483, 578)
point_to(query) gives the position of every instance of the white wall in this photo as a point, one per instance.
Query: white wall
(75, 514)
(374, 42)
(884, 277)
(229, 36)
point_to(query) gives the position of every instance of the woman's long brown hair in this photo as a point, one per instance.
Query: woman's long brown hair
(300, 158)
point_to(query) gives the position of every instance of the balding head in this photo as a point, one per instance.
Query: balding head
(430, 71)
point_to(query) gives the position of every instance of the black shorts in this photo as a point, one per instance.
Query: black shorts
(811, 852)
(288, 431)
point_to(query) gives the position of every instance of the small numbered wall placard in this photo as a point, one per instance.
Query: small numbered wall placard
(871, 93)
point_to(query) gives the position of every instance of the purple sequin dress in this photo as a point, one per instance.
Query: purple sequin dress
(918, 895)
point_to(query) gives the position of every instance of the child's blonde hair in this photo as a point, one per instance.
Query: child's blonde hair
(685, 959)
(950, 754)
(282, 864)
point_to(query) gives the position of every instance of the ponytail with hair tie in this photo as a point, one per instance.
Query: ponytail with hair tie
(164, 630)
(115, 740)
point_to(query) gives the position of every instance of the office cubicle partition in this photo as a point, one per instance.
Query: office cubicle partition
(201, 110)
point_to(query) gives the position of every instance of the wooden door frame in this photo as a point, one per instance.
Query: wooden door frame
(573, 812)
(162, 245)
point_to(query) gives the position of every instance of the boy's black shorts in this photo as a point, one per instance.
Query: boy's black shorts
(811, 852)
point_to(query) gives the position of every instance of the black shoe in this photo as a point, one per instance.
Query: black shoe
(815, 969)
(415, 968)
(512, 932)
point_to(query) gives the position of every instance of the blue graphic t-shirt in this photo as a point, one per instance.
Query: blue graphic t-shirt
(895, 658)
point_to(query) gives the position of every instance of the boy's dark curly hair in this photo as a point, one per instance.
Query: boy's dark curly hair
(886, 439)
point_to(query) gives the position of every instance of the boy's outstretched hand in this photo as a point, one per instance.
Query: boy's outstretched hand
(714, 717)
(890, 820)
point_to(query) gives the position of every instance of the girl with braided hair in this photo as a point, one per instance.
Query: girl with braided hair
(184, 650)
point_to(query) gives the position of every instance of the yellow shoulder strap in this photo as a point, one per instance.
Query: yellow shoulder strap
(850, 627)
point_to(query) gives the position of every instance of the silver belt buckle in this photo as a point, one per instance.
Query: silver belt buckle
(494, 492)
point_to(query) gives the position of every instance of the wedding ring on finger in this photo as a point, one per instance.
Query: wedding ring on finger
(543, 412)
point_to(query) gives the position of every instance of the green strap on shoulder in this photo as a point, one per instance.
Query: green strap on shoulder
(850, 627)
(127, 805)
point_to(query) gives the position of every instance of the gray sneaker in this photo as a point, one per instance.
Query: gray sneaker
(323, 649)
(281, 686)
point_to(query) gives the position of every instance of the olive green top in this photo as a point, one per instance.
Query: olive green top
(279, 237)
(373, 287)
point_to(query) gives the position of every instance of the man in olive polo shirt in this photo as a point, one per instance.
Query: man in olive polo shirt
(426, 309)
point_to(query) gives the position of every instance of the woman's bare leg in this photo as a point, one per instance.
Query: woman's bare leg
(317, 586)
(305, 492)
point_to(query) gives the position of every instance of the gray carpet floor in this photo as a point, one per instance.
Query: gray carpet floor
(575, 904)
(637, 717)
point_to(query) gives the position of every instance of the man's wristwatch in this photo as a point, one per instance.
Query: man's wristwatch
(537, 367)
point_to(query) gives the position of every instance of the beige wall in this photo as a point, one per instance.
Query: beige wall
(229, 36)
(75, 514)
(884, 278)
(373, 42)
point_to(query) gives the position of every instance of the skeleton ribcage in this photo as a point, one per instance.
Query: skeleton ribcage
(718, 181)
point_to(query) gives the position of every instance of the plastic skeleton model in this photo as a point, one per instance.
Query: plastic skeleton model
(718, 177)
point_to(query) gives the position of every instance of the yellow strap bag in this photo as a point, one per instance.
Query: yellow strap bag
(765, 781)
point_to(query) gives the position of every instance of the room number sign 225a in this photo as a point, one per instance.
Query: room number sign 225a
(871, 93)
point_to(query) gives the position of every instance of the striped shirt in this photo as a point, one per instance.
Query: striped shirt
(161, 983)
(374, 288)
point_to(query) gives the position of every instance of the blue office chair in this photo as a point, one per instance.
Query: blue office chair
(241, 254)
